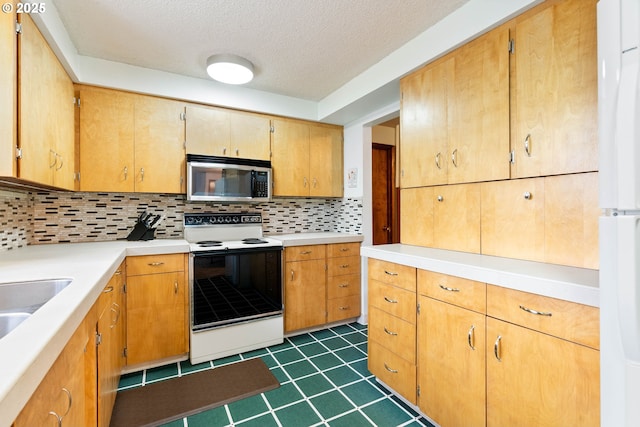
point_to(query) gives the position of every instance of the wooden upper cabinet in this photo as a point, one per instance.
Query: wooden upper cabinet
(46, 109)
(106, 140)
(227, 133)
(479, 110)
(8, 90)
(555, 97)
(307, 159)
(424, 125)
(159, 156)
(456, 217)
(325, 161)
(416, 222)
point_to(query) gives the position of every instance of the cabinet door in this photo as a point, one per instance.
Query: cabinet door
(416, 221)
(46, 126)
(250, 136)
(424, 126)
(513, 218)
(156, 326)
(8, 93)
(290, 158)
(207, 131)
(325, 161)
(305, 294)
(456, 217)
(106, 140)
(159, 145)
(539, 379)
(555, 98)
(479, 108)
(451, 364)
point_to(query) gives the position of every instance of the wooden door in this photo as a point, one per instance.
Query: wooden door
(451, 364)
(382, 193)
(290, 158)
(207, 131)
(540, 379)
(325, 161)
(46, 112)
(513, 221)
(456, 217)
(479, 109)
(555, 102)
(156, 326)
(305, 294)
(8, 92)
(106, 140)
(250, 135)
(159, 145)
(424, 116)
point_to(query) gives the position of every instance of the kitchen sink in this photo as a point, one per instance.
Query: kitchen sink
(19, 300)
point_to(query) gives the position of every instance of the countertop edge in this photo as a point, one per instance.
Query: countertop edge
(573, 284)
(319, 238)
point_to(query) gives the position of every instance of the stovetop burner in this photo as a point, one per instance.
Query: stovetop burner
(209, 243)
(253, 241)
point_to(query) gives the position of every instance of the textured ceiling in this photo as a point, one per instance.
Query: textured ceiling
(301, 48)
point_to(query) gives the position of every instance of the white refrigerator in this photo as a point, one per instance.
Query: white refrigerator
(619, 198)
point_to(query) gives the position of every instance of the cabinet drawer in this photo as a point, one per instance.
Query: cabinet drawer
(343, 308)
(393, 333)
(343, 249)
(568, 320)
(151, 264)
(343, 286)
(393, 370)
(393, 274)
(454, 290)
(396, 301)
(302, 253)
(343, 265)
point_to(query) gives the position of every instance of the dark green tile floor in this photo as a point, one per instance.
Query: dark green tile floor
(324, 382)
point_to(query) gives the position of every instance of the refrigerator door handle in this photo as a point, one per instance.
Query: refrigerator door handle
(628, 278)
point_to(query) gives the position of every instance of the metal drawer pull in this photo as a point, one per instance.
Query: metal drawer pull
(496, 348)
(389, 332)
(291, 274)
(344, 249)
(344, 308)
(107, 289)
(126, 172)
(344, 266)
(537, 313)
(115, 308)
(305, 252)
(155, 264)
(471, 337)
(58, 417)
(393, 371)
(117, 273)
(527, 149)
(390, 273)
(454, 157)
(438, 160)
(175, 288)
(449, 289)
(392, 301)
(343, 285)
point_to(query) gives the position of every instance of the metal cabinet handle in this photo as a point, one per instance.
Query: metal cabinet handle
(61, 161)
(55, 158)
(115, 308)
(440, 198)
(454, 157)
(224, 151)
(392, 301)
(155, 264)
(141, 174)
(471, 337)
(449, 289)
(536, 312)
(58, 417)
(126, 172)
(497, 348)
(390, 273)
(344, 266)
(237, 151)
(291, 274)
(304, 182)
(527, 148)
(107, 289)
(344, 249)
(175, 288)
(344, 308)
(68, 393)
(117, 273)
(438, 161)
(389, 332)
(343, 285)
(393, 371)
(527, 195)
(315, 182)
(305, 252)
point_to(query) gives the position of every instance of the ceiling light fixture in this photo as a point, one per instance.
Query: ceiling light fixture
(230, 69)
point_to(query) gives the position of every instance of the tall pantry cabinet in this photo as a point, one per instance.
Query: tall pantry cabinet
(8, 89)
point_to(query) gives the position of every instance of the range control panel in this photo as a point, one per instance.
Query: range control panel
(210, 219)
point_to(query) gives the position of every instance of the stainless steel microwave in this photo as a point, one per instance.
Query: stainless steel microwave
(227, 179)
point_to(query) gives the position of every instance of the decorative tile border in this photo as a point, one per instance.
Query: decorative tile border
(61, 217)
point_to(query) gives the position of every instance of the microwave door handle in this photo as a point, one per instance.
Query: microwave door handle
(253, 182)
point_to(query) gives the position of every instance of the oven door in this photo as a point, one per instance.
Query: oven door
(231, 286)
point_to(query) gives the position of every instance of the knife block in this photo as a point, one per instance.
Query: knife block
(141, 232)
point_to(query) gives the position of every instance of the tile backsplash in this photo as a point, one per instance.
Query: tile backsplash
(60, 217)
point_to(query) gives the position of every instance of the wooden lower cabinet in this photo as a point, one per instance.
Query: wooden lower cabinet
(539, 380)
(157, 314)
(451, 364)
(66, 395)
(321, 284)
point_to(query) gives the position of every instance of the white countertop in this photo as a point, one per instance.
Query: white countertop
(27, 353)
(321, 238)
(567, 283)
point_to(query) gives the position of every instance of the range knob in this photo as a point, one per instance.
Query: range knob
(235, 219)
